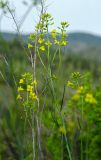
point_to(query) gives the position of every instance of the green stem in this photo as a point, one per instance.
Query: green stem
(87, 143)
(54, 55)
(48, 55)
(82, 130)
(67, 145)
(41, 60)
(60, 57)
(61, 146)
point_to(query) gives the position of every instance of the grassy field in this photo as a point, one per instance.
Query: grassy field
(70, 124)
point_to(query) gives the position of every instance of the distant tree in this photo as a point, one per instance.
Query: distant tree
(5, 8)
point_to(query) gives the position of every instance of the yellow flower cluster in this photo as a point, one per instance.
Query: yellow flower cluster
(21, 81)
(70, 84)
(56, 42)
(34, 83)
(32, 37)
(19, 97)
(32, 94)
(26, 84)
(42, 48)
(30, 46)
(45, 21)
(76, 97)
(90, 99)
(76, 75)
(54, 33)
(29, 88)
(79, 92)
(64, 24)
(63, 43)
(48, 43)
(20, 88)
(41, 40)
(59, 38)
(27, 76)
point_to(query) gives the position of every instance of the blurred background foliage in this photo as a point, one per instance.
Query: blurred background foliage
(15, 141)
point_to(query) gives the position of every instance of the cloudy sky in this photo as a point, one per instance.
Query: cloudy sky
(83, 15)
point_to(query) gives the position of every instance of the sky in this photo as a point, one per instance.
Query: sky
(82, 15)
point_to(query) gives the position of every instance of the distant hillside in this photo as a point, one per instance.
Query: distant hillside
(82, 41)
(77, 41)
(89, 39)
(11, 36)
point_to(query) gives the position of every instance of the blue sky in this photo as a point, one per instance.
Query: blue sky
(83, 15)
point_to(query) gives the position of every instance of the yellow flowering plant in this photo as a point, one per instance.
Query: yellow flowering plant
(26, 93)
(66, 112)
(42, 42)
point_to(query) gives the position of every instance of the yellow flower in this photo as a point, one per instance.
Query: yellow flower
(62, 130)
(34, 82)
(65, 24)
(90, 99)
(64, 35)
(54, 33)
(63, 43)
(21, 81)
(76, 97)
(29, 88)
(32, 37)
(27, 76)
(40, 40)
(48, 43)
(30, 46)
(76, 75)
(19, 97)
(80, 90)
(20, 89)
(33, 96)
(42, 48)
(70, 84)
(56, 42)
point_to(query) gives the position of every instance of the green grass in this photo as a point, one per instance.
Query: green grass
(15, 137)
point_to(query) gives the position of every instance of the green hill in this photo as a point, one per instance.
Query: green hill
(87, 45)
(74, 38)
